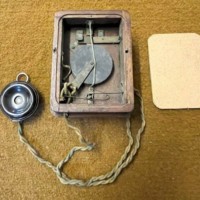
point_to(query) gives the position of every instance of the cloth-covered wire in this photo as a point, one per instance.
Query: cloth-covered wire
(68, 90)
(93, 54)
(109, 177)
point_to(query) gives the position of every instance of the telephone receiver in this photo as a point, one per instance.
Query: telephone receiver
(19, 100)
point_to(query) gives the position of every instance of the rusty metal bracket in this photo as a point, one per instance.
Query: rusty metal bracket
(101, 33)
(80, 78)
(102, 40)
(79, 35)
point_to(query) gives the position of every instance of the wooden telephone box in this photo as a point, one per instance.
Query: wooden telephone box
(92, 70)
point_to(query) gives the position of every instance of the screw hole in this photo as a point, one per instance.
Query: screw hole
(126, 51)
(54, 50)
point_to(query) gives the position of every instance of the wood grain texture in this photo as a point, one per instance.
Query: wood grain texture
(125, 106)
(168, 164)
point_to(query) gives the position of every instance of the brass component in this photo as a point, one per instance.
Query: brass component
(79, 35)
(102, 40)
(101, 33)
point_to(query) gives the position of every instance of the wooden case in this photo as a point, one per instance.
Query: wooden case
(119, 85)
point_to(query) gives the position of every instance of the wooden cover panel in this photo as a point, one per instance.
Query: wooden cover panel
(175, 70)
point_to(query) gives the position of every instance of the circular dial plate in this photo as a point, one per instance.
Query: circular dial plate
(104, 63)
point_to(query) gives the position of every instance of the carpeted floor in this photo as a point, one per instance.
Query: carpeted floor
(168, 163)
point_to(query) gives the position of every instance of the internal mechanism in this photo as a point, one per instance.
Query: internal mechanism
(90, 64)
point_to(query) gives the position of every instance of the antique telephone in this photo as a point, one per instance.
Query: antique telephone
(91, 76)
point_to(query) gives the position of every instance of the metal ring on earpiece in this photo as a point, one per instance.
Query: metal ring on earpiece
(21, 75)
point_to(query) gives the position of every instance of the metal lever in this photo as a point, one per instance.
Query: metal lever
(70, 89)
(80, 78)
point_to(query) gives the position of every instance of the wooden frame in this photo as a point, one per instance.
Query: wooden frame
(71, 109)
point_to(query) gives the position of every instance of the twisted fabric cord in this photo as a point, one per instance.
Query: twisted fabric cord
(68, 90)
(109, 177)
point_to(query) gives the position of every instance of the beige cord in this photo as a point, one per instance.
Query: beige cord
(93, 55)
(109, 177)
(68, 90)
